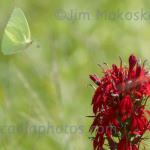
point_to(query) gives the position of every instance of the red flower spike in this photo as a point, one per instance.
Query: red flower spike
(119, 106)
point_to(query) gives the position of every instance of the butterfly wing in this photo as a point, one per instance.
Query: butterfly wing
(17, 35)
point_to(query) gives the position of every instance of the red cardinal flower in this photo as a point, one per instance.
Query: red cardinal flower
(124, 144)
(119, 106)
(125, 108)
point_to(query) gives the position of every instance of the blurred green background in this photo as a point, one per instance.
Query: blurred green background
(48, 83)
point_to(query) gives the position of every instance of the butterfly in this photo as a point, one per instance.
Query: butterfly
(17, 36)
